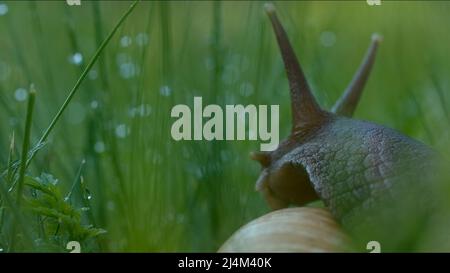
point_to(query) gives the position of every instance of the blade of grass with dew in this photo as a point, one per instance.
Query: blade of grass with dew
(80, 80)
(48, 75)
(92, 127)
(27, 160)
(75, 181)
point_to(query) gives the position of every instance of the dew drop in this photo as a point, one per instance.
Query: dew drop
(94, 104)
(143, 110)
(128, 70)
(76, 58)
(3, 9)
(327, 38)
(21, 94)
(87, 194)
(121, 131)
(125, 41)
(99, 147)
(165, 91)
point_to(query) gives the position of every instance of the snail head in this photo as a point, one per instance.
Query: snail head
(281, 181)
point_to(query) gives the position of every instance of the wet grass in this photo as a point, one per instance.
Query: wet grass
(109, 144)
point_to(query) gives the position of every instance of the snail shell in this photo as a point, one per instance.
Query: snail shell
(301, 229)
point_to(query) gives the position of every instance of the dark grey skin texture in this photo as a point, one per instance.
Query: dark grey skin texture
(376, 181)
(347, 162)
(350, 163)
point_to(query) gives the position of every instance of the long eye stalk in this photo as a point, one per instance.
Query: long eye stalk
(304, 107)
(346, 105)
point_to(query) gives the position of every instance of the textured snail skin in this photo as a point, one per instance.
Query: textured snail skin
(352, 165)
(290, 230)
(378, 183)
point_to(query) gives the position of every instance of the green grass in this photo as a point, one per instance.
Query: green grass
(109, 143)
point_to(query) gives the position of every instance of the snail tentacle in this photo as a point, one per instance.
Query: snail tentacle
(346, 105)
(305, 109)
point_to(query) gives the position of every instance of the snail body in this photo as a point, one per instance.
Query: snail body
(366, 174)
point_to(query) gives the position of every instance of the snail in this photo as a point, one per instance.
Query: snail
(374, 180)
(300, 229)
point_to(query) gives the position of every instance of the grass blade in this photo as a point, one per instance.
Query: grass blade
(81, 79)
(23, 166)
(10, 159)
(26, 143)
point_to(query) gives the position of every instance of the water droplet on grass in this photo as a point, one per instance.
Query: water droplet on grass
(143, 110)
(165, 91)
(328, 38)
(99, 147)
(125, 41)
(128, 70)
(94, 104)
(121, 131)
(76, 58)
(21, 94)
(86, 192)
(3, 9)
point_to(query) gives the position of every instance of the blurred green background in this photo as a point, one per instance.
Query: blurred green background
(151, 193)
